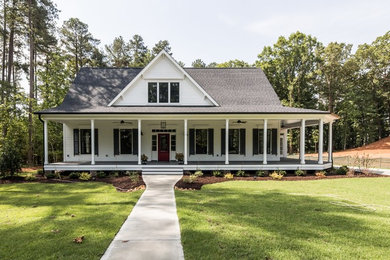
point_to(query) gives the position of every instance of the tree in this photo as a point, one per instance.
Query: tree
(118, 53)
(138, 51)
(198, 63)
(159, 46)
(78, 42)
(233, 64)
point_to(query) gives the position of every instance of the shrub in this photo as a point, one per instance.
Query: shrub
(261, 173)
(276, 175)
(281, 172)
(321, 174)
(85, 176)
(40, 172)
(300, 173)
(228, 176)
(240, 173)
(343, 170)
(190, 179)
(30, 177)
(134, 176)
(101, 174)
(50, 175)
(10, 159)
(198, 173)
(74, 175)
(217, 173)
(114, 174)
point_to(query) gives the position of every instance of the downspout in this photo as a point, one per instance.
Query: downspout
(43, 135)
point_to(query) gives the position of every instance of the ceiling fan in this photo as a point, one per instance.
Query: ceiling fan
(123, 122)
(240, 122)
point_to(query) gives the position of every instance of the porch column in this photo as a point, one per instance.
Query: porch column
(265, 141)
(92, 141)
(139, 141)
(45, 143)
(330, 148)
(227, 142)
(185, 141)
(321, 141)
(285, 143)
(302, 142)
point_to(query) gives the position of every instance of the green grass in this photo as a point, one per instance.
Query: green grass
(323, 219)
(29, 213)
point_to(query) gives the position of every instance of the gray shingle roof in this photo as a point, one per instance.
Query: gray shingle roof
(236, 90)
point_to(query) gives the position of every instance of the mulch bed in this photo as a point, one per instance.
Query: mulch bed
(197, 185)
(123, 184)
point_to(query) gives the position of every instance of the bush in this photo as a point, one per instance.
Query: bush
(343, 170)
(10, 159)
(321, 174)
(40, 172)
(217, 173)
(74, 175)
(261, 173)
(50, 175)
(276, 175)
(134, 176)
(190, 179)
(281, 172)
(30, 177)
(300, 173)
(240, 173)
(114, 174)
(198, 173)
(101, 174)
(228, 176)
(85, 176)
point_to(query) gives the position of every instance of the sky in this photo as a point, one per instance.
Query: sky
(217, 31)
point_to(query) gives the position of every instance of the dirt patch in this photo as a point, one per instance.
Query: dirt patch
(197, 185)
(31, 169)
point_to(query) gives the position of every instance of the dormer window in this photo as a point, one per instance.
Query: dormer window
(163, 92)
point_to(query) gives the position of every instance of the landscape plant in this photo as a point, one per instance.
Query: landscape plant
(85, 176)
(217, 173)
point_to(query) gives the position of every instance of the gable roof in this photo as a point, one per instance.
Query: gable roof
(163, 53)
(236, 90)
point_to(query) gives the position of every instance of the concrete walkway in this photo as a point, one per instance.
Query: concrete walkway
(152, 229)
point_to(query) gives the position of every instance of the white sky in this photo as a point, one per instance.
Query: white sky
(228, 29)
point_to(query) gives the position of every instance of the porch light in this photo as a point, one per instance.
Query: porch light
(163, 124)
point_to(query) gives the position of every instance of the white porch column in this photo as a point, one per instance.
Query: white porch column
(330, 148)
(321, 142)
(45, 143)
(227, 142)
(285, 143)
(265, 141)
(185, 141)
(139, 141)
(302, 142)
(92, 141)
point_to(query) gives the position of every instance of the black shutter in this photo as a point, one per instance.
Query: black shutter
(223, 131)
(116, 141)
(76, 141)
(274, 141)
(261, 143)
(210, 133)
(96, 142)
(242, 141)
(192, 141)
(135, 141)
(255, 141)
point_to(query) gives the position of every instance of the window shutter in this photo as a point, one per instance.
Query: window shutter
(76, 141)
(223, 131)
(242, 141)
(210, 144)
(192, 141)
(255, 141)
(135, 141)
(116, 141)
(261, 140)
(274, 141)
(96, 142)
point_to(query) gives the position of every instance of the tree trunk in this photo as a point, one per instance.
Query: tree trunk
(4, 130)
(31, 94)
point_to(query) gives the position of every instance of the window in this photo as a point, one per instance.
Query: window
(154, 142)
(258, 142)
(234, 141)
(201, 141)
(163, 92)
(175, 92)
(152, 92)
(126, 141)
(85, 137)
(173, 142)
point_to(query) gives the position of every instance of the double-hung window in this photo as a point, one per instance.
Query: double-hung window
(163, 92)
(201, 141)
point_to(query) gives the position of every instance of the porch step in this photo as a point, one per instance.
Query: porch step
(162, 170)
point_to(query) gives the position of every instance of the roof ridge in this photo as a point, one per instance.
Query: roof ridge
(222, 68)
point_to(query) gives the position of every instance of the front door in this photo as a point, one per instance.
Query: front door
(163, 147)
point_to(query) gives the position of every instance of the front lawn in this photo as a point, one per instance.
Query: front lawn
(323, 219)
(40, 221)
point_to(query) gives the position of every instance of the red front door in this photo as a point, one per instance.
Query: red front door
(163, 147)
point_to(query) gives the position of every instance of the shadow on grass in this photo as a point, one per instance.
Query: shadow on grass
(37, 223)
(221, 224)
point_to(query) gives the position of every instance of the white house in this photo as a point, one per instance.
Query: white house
(218, 118)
